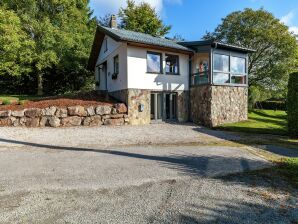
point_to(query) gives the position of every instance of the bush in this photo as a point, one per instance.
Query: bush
(293, 104)
(272, 105)
(6, 102)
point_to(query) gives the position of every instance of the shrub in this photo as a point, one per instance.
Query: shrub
(292, 104)
(272, 105)
(23, 102)
(6, 102)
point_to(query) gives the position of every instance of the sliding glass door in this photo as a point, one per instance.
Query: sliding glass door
(163, 106)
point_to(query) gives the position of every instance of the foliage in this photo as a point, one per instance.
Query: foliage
(272, 105)
(142, 18)
(15, 46)
(292, 104)
(275, 46)
(261, 121)
(105, 20)
(62, 32)
(6, 102)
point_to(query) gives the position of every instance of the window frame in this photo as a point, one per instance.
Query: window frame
(178, 64)
(105, 45)
(231, 74)
(161, 62)
(114, 64)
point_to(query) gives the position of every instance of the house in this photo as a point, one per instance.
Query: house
(161, 79)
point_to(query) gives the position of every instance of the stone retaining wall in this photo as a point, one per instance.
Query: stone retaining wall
(66, 117)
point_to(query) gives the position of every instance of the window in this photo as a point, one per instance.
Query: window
(116, 64)
(105, 44)
(229, 69)
(172, 64)
(154, 62)
(200, 68)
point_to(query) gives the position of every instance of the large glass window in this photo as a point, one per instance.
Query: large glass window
(154, 62)
(221, 63)
(172, 64)
(229, 69)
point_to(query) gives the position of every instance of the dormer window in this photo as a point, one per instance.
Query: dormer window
(105, 44)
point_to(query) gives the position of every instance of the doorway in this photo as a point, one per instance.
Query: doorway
(163, 106)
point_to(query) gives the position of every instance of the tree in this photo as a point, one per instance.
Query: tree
(275, 46)
(292, 104)
(15, 45)
(62, 32)
(142, 18)
(105, 20)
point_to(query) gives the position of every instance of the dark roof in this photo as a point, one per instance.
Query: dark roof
(215, 44)
(131, 36)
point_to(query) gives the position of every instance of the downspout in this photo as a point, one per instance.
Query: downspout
(189, 87)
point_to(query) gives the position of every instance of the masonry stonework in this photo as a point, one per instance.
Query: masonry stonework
(215, 105)
(65, 117)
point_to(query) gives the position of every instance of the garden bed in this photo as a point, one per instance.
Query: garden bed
(86, 99)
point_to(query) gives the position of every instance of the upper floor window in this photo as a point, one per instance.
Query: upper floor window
(105, 44)
(154, 62)
(116, 64)
(229, 69)
(172, 64)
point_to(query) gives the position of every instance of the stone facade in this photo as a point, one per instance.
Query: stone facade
(66, 117)
(215, 105)
(134, 98)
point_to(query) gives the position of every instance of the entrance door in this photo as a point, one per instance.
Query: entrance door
(163, 106)
(171, 106)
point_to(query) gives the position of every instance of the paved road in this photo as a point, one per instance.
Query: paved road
(46, 180)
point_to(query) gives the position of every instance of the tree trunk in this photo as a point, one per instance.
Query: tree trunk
(39, 84)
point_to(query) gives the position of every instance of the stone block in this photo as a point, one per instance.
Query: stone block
(5, 113)
(34, 112)
(90, 111)
(103, 110)
(92, 121)
(44, 121)
(54, 122)
(121, 108)
(116, 116)
(19, 113)
(50, 111)
(5, 122)
(71, 121)
(32, 122)
(61, 112)
(114, 122)
(77, 111)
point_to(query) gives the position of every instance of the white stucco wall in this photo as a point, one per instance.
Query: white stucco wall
(114, 48)
(138, 78)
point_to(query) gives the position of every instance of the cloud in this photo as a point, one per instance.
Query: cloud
(294, 29)
(287, 19)
(102, 7)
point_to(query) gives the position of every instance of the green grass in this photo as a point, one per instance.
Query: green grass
(260, 121)
(289, 169)
(18, 98)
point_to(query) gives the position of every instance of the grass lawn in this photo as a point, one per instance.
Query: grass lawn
(260, 121)
(17, 98)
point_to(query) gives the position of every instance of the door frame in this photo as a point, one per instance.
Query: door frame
(164, 112)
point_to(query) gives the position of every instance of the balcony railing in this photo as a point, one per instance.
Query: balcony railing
(200, 78)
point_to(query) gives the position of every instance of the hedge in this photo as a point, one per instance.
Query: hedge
(292, 104)
(271, 105)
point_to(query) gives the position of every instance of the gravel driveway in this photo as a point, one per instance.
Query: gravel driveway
(99, 175)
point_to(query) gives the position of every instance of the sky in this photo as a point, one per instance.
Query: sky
(193, 18)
